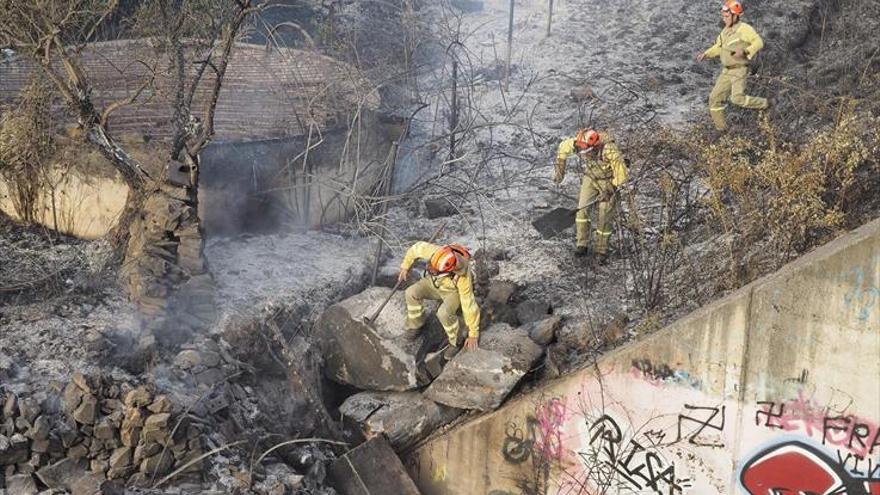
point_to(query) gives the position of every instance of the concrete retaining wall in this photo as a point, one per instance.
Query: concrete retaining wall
(774, 389)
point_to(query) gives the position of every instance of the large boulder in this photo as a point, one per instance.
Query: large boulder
(404, 417)
(544, 331)
(71, 476)
(481, 379)
(372, 467)
(374, 356)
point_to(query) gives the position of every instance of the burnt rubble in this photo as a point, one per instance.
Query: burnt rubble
(96, 433)
(409, 389)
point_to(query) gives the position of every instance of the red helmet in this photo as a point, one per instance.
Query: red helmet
(733, 6)
(447, 258)
(587, 139)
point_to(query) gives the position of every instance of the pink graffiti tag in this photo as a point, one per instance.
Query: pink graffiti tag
(551, 416)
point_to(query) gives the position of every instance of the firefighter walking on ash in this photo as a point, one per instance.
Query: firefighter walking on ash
(604, 172)
(448, 278)
(737, 45)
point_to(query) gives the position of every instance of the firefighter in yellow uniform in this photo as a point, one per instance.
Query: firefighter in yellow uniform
(604, 172)
(449, 278)
(737, 45)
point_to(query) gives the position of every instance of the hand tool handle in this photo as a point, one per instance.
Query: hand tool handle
(400, 282)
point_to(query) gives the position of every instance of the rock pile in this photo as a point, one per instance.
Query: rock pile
(391, 369)
(94, 437)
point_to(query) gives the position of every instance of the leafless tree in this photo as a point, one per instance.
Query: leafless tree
(192, 42)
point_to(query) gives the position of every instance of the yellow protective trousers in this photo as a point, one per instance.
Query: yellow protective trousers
(590, 189)
(447, 313)
(731, 85)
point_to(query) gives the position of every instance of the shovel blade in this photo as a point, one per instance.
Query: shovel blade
(553, 222)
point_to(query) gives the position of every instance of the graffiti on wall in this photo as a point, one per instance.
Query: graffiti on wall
(862, 297)
(542, 435)
(623, 436)
(540, 441)
(796, 467)
(659, 374)
(859, 436)
(613, 459)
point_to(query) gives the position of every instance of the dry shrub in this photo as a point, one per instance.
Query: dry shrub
(791, 195)
(658, 210)
(26, 143)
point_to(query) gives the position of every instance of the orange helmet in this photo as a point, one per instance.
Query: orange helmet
(733, 6)
(446, 259)
(587, 139)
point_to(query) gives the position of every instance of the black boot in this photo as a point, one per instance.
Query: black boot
(581, 251)
(450, 352)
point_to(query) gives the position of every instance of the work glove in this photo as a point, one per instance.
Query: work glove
(559, 171)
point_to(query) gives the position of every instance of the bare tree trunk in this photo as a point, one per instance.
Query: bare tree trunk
(509, 48)
(453, 118)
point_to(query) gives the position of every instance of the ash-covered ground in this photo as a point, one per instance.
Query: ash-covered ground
(625, 66)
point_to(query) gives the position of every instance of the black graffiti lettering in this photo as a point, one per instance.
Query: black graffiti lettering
(694, 438)
(875, 443)
(860, 433)
(627, 476)
(851, 463)
(516, 448)
(631, 462)
(873, 471)
(655, 437)
(770, 414)
(649, 369)
(855, 469)
(844, 461)
(836, 423)
(629, 470)
(668, 477)
(643, 365)
(664, 371)
(611, 435)
(651, 460)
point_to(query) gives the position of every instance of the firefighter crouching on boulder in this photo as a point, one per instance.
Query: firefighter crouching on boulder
(604, 172)
(449, 279)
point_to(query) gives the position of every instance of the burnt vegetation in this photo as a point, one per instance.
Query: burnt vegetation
(705, 213)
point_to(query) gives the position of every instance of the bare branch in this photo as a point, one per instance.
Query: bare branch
(112, 107)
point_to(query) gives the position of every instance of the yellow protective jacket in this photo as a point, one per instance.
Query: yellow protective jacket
(609, 166)
(740, 35)
(461, 281)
